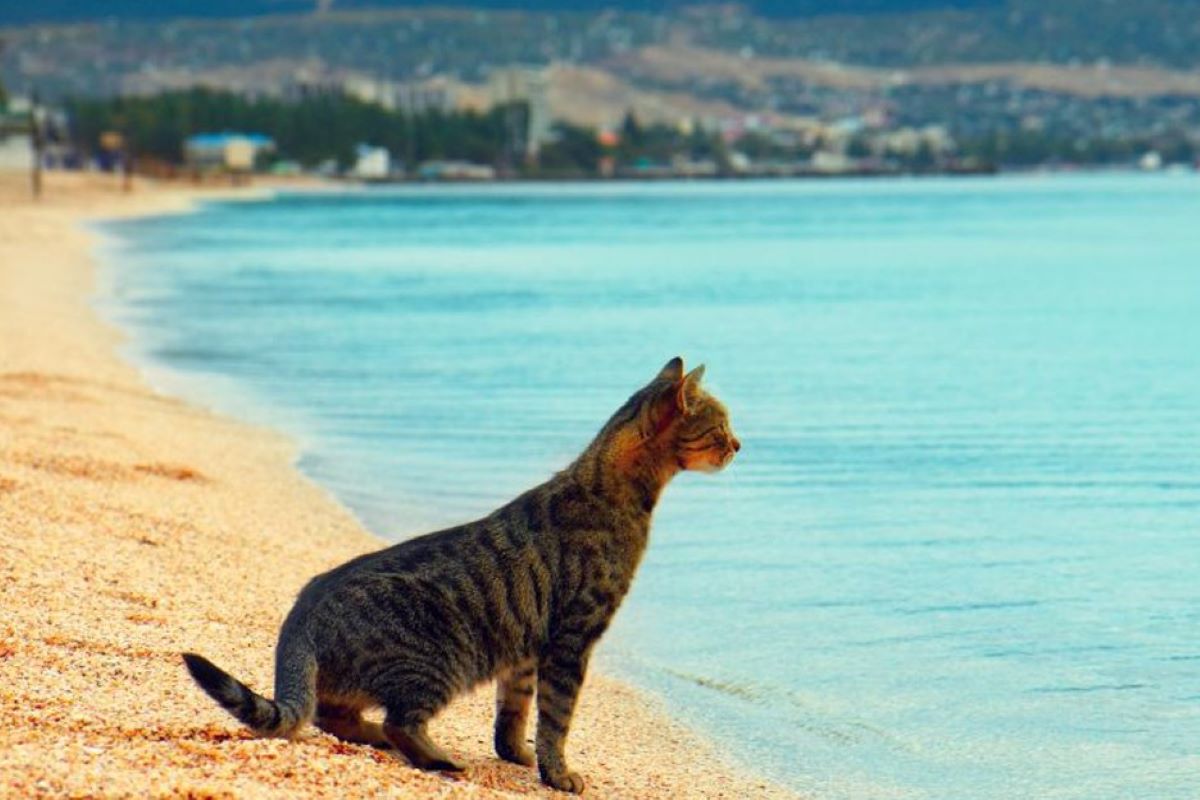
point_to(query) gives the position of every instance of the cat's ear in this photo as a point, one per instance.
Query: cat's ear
(673, 371)
(670, 401)
(688, 388)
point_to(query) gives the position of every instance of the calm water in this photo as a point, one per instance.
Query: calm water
(958, 555)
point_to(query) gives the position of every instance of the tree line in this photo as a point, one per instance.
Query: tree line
(315, 129)
(311, 130)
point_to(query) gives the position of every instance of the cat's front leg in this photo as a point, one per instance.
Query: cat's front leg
(560, 675)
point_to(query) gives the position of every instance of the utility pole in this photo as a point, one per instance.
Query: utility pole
(126, 160)
(37, 142)
(410, 140)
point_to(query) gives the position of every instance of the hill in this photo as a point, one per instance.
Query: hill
(1071, 72)
(64, 11)
(879, 33)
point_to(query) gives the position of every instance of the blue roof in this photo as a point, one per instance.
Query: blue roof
(224, 138)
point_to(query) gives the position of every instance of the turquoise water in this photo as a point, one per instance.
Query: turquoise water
(959, 553)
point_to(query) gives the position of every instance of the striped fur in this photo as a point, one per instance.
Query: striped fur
(520, 596)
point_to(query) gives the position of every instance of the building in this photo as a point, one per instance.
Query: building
(16, 139)
(16, 152)
(435, 94)
(829, 161)
(369, 90)
(371, 163)
(907, 142)
(455, 171)
(530, 86)
(232, 152)
(412, 97)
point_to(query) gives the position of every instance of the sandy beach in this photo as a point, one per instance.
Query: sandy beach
(134, 526)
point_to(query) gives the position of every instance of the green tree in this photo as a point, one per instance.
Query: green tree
(3, 91)
(925, 158)
(574, 151)
(859, 147)
(310, 130)
(631, 131)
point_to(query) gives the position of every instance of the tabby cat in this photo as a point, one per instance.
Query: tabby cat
(521, 595)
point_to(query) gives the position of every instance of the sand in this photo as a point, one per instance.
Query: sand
(134, 526)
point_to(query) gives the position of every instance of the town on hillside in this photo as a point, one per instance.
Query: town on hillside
(707, 91)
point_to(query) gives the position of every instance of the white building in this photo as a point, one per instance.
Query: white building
(531, 86)
(455, 171)
(831, 161)
(371, 163)
(369, 90)
(435, 94)
(1151, 161)
(235, 152)
(16, 152)
(411, 97)
(16, 145)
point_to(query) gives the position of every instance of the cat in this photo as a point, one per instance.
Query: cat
(521, 595)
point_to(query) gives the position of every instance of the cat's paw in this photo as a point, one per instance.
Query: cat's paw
(565, 782)
(447, 764)
(517, 753)
(440, 763)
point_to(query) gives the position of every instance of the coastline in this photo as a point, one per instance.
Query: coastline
(136, 526)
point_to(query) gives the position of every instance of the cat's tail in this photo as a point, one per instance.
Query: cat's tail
(295, 693)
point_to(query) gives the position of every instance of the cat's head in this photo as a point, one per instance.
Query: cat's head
(680, 423)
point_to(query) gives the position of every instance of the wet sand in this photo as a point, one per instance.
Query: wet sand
(134, 526)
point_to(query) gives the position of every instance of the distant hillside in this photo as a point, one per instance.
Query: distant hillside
(415, 43)
(59, 11)
(1021, 80)
(1161, 32)
(877, 33)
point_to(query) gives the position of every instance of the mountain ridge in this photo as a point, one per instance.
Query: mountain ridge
(71, 11)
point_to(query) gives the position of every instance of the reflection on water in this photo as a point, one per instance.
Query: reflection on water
(957, 555)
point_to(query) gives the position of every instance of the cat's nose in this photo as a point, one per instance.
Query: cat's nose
(737, 444)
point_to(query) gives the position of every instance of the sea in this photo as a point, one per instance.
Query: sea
(958, 555)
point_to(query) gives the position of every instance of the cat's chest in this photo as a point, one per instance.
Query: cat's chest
(606, 560)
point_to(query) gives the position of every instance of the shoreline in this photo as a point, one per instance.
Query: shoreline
(137, 526)
(806, 176)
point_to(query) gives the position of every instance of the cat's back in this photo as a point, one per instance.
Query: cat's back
(413, 558)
